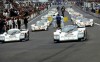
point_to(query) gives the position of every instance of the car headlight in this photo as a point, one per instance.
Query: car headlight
(82, 23)
(81, 31)
(22, 34)
(33, 28)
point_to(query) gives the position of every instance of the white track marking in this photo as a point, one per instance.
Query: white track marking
(97, 24)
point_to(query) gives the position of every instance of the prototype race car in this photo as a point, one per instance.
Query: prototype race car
(14, 35)
(84, 22)
(70, 32)
(78, 18)
(39, 26)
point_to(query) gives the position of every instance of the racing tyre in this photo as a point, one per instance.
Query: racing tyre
(27, 36)
(85, 36)
(3, 42)
(56, 41)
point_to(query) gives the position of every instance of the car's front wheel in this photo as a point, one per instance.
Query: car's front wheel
(85, 36)
(27, 36)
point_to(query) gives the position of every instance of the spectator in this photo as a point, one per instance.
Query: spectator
(26, 13)
(7, 25)
(2, 25)
(10, 23)
(5, 14)
(15, 20)
(19, 23)
(25, 22)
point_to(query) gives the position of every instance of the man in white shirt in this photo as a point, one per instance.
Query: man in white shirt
(10, 23)
(62, 21)
(54, 21)
(15, 20)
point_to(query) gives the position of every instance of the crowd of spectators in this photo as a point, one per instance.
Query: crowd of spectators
(16, 16)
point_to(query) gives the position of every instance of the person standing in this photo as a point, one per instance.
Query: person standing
(7, 24)
(54, 21)
(10, 23)
(58, 21)
(2, 25)
(13, 22)
(62, 21)
(63, 10)
(19, 23)
(25, 22)
(58, 8)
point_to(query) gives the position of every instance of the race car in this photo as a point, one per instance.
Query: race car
(75, 17)
(39, 26)
(15, 35)
(70, 32)
(78, 19)
(84, 22)
(46, 22)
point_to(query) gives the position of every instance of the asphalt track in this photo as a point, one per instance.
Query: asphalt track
(41, 47)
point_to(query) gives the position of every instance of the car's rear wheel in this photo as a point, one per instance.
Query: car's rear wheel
(56, 41)
(2, 41)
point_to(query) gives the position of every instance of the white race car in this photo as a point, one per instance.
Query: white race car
(46, 22)
(39, 26)
(78, 18)
(14, 35)
(70, 32)
(84, 21)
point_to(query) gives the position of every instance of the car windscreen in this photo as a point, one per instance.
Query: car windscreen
(85, 19)
(12, 32)
(82, 19)
(68, 28)
(39, 24)
(43, 20)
